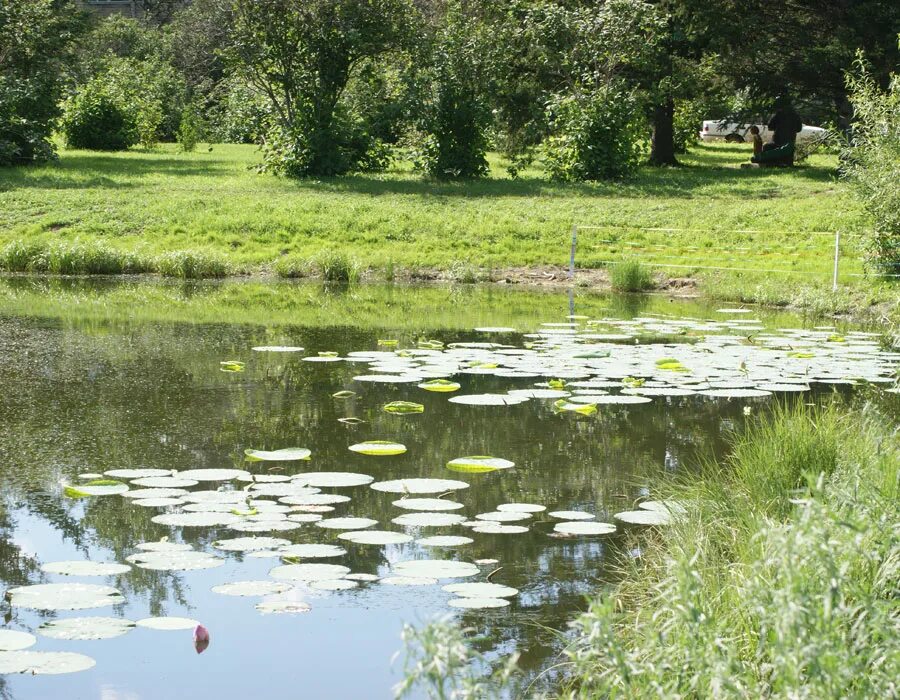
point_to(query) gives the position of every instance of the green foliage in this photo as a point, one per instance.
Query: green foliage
(76, 258)
(873, 163)
(301, 56)
(190, 265)
(96, 118)
(189, 129)
(630, 276)
(35, 41)
(239, 113)
(597, 136)
(750, 595)
(336, 266)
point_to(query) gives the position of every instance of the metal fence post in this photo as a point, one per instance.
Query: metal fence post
(837, 256)
(572, 254)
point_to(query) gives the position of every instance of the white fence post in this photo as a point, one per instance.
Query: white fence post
(837, 255)
(572, 254)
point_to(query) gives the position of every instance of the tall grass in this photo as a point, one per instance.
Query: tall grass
(781, 581)
(630, 276)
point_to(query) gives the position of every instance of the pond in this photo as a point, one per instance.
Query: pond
(586, 403)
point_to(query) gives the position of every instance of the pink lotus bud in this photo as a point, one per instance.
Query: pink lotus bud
(201, 638)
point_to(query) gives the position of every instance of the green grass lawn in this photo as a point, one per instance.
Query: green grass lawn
(212, 201)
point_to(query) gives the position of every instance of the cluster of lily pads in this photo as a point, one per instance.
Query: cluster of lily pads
(578, 366)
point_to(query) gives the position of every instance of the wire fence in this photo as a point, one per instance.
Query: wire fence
(808, 253)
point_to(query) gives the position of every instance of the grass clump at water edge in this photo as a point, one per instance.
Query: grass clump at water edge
(631, 276)
(780, 581)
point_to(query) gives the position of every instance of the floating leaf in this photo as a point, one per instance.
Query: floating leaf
(163, 482)
(213, 474)
(673, 507)
(231, 366)
(64, 596)
(586, 409)
(427, 504)
(490, 528)
(250, 544)
(479, 464)
(35, 663)
(800, 355)
(334, 479)
(644, 517)
(388, 343)
(487, 399)
(282, 607)
(444, 541)
(375, 537)
(440, 385)
(252, 588)
(195, 519)
(13, 640)
(312, 551)
(135, 473)
(167, 624)
(522, 508)
(428, 519)
(434, 568)
(346, 394)
(419, 486)
(366, 578)
(735, 393)
(85, 568)
(97, 487)
(380, 448)
(83, 628)
(480, 590)
(346, 523)
(582, 527)
(287, 454)
(571, 515)
(163, 545)
(403, 407)
(503, 516)
(277, 348)
(176, 560)
(308, 572)
(556, 384)
(478, 603)
(333, 585)
(351, 420)
(632, 382)
(408, 581)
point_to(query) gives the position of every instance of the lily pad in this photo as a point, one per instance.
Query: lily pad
(571, 515)
(427, 504)
(35, 663)
(375, 537)
(308, 572)
(164, 482)
(380, 448)
(346, 523)
(444, 541)
(428, 519)
(334, 479)
(168, 623)
(644, 517)
(250, 544)
(85, 568)
(478, 603)
(265, 526)
(403, 407)
(440, 385)
(82, 628)
(157, 502)
(479, 464)
(163, 546)
(64, 596)
(488, 399)
(176, 561)
(584, 527)
(252, 588)
(337, 584)
(419, 486)
(434, 568)
(314, 499)
(504, 516)
(141, 494)
(521, 508)
(98, 487)
(136, 473)
(277, 348)
(287, 454)
(213, 474)
(282, 607)
(489, 528)
(480, 590)
(13, 640)
(195, 519)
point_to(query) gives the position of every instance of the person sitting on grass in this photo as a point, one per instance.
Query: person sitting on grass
(785, 124)
(757, 140)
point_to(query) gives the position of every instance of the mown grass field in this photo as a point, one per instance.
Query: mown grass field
(141, 208)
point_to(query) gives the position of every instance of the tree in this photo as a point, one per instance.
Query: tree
(35, 41)
(300, 55)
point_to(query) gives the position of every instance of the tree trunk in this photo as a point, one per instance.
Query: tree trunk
(662, 143)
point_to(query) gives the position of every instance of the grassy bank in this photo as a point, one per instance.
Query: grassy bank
(781, 581)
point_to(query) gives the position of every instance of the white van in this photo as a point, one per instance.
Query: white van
(713, 130)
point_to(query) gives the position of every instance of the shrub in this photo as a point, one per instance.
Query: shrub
(630, 276)
(293, 266)
(76, 258)
(188, 264)
(188, 129)
(97, 119)
(873, 163)
(239, 115)
(596, 136)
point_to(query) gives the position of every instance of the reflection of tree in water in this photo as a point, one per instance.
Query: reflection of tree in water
(92, 397)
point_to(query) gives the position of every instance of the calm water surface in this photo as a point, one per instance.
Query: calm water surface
(82, 395)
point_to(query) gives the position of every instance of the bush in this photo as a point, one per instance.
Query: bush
(337, 267)
(873, 164)
(97, 119)
(75, 258)
(597, 136)
(240, 114)
(455, 115)
(293, 267)
(630, 276)
(188, 129)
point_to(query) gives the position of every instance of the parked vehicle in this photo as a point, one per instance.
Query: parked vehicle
(713, 130)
